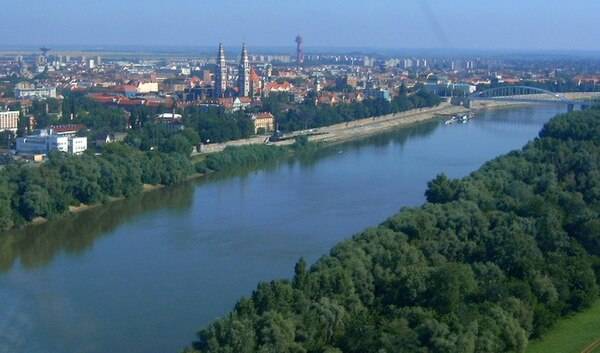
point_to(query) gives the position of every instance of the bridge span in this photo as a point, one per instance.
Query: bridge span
(524, 94)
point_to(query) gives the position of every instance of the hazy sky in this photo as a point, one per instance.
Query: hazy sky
(446, 24)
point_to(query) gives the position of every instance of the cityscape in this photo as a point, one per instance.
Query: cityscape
(240, 81)
(314, 177)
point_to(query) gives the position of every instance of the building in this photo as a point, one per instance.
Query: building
(28, 90)
(46, 140)
(263, 122)
(248, 82)
(450, 89)
(378, 93)
(69, 130)
(277, 87)
(244, 73)
(220, 74)
(9, 120)
(235, 104)
(147, 87)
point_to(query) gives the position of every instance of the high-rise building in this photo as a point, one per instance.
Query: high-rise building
(220, 74)
(9, 120)
(244, 73)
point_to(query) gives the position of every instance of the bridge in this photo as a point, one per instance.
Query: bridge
(523, 94)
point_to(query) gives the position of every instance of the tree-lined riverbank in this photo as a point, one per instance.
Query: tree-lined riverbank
(158, 265)
(492, 260)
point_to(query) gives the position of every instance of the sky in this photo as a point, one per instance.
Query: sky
(569, 25)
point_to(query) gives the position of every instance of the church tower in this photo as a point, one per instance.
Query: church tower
(220, 74)
(244, 73)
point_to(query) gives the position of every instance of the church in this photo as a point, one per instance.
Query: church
(248, 82)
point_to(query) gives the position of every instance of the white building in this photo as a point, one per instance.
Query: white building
(9, 120)
(449, 88)
(147, 87)
(169, 116)
(27, 90)
(45, 140)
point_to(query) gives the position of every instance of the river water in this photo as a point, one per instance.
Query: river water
(143, 274)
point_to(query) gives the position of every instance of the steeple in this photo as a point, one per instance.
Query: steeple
(244, 73)
(220, 74)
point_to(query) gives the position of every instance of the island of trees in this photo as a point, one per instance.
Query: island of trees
(488, 263)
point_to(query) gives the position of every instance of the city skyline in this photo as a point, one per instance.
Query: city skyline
(418, 24)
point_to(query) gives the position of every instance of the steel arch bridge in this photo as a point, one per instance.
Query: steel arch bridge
(519, 94)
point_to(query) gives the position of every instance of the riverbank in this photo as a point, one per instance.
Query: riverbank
(362, 128)
(371, 126)
(339, 133)
(375, 125)
(356, 129)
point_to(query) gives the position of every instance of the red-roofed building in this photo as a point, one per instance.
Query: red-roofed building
(68, 129)
(127, 90)
(328, 98)
(277, 87)
(263, 122)
(235, 104)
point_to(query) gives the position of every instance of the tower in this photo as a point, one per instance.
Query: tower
(299, 50)
(244, 72)
(220, 74)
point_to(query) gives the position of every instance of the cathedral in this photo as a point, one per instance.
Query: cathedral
(248, 81)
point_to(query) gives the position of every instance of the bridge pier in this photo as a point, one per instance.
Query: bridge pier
(570, 107)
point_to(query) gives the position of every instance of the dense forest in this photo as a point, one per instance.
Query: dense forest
(489, 262)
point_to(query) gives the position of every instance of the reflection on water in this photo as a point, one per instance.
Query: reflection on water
(35, 246)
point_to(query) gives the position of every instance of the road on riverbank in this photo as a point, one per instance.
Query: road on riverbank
(351, 130)
(370, 126)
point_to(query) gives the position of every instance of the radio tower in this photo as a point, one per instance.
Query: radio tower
(299, 50)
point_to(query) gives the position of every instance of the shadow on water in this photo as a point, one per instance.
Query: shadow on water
(36, 245)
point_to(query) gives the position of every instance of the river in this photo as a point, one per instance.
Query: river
(143, 274)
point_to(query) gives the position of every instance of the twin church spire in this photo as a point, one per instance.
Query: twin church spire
(221, 73)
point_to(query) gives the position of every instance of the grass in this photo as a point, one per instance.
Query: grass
(571, 335)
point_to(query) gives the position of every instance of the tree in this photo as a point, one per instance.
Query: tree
(442, 189)
(34, 202)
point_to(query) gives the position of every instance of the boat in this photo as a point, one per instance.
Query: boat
(463, 118)
(452, 120)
